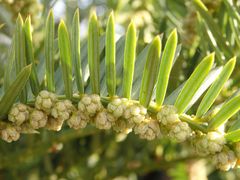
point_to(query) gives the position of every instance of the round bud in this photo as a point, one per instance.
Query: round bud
(90, 104)
(117, 107)
(104, 120)
(123, 125)
(78, 120)
(135, 113)
(62, 110)
(148, 129)
(180, 131)
(45, 101)
(209, 143)
(18, 114)
(10, 134)
(167, 115)
(38, 119)
(225, 160)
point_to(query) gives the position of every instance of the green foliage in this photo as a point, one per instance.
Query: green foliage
(165, 67)
(65, 56)
(233, 136)
(110, 56)
(76, 51)
(226, 112)
(193, 83)
(34, 82)
(49, 52)
(129, 59)
(215, 88)
(133, 70)
(150, 72)
(94, 53)
(20, 61)
(9, 67)
(14, 91)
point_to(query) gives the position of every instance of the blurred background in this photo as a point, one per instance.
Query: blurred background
(94, 154)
